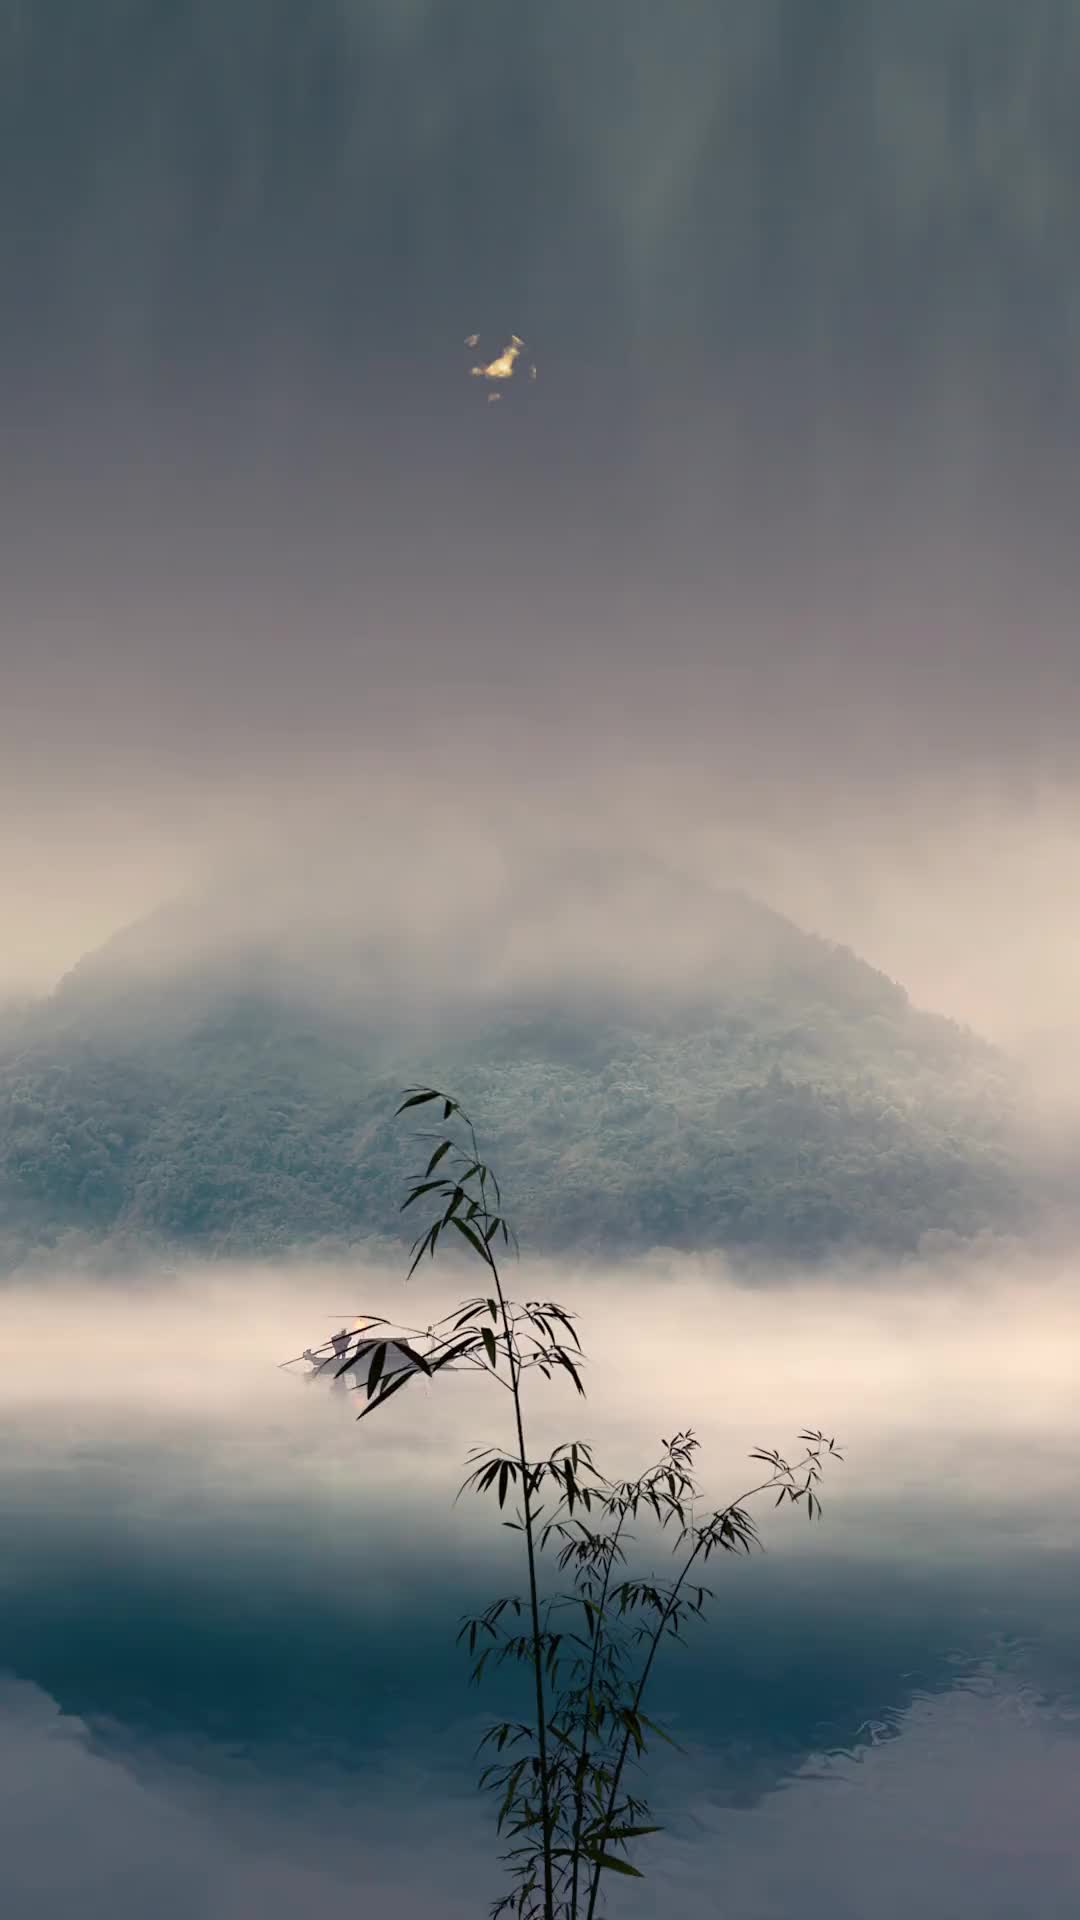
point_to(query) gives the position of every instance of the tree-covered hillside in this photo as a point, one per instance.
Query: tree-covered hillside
(796, 1103)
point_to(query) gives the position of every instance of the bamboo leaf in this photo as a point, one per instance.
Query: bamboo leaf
(452, 1353)
(350, 1362)
(473, 1239)
(558, 1313)
(613, 1864)
(394, 1387)
(378, 1362)
(438, 1154)
(661, 1735)
(418, 1097)
(563, 1359)
(421, 1187)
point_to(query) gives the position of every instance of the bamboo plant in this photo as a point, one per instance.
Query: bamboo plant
(561, 1776)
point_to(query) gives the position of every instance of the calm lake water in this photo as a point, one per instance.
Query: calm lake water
(227, 1614)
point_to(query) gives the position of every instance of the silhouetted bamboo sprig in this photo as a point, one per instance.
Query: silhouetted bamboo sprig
(594, 1554)
(728, 1529)
(560, 1783)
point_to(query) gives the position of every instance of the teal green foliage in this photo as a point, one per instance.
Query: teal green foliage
(810, 1109)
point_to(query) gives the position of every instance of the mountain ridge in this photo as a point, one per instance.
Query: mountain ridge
(784, 1095)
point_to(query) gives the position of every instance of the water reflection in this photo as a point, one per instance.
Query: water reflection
(230, 1622)
(959, 1804)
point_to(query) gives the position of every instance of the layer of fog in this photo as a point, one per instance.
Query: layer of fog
(951, 1389)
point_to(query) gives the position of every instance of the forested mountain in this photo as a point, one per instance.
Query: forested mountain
(790, 1100)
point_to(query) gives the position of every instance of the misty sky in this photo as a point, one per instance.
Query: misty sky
(773, 569)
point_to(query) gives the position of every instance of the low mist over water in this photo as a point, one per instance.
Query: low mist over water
(228, 1611)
